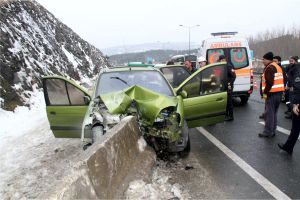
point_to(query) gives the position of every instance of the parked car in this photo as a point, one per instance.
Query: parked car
(164, 113)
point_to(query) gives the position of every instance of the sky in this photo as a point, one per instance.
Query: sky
(108, 23)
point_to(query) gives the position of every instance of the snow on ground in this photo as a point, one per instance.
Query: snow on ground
(31, 158)
(159, 188)
(14, 124)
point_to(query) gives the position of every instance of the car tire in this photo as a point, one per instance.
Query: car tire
(244, 100)
(187, 148)
(97, 132)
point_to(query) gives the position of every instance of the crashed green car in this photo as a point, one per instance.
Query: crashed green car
(164, 113)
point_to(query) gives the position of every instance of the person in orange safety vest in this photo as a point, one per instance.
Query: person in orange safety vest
(272, 89)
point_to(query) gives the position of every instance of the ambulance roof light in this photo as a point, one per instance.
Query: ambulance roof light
(224, 33)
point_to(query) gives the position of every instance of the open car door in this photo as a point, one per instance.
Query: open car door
(204, 96)
(66, 105)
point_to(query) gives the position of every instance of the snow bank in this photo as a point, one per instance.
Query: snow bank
(15, 124)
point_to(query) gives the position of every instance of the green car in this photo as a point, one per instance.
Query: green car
(164, 113)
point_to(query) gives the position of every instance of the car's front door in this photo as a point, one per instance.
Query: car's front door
(66, 106)
(206, 99)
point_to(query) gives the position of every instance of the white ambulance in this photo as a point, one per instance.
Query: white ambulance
(237, 52)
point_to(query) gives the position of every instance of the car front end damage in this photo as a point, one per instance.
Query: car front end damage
(159, 117)
(97, 122)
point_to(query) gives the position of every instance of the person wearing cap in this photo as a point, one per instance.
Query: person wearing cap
(201, 61)
(277, 60)
(231, 76)
(272, 89)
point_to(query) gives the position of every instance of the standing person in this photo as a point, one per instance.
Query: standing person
(231, 76)
(272, 88)
(293, 60)
(202, 61)
(294, 76)
(188, 64)
(277, 60)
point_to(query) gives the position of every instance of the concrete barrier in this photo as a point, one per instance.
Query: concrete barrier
(107, 167)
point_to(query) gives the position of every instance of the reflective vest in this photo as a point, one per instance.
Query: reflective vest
(278, 85)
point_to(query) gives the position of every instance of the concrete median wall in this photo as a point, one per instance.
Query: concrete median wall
(106, 168)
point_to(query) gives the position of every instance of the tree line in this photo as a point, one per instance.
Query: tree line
(281, 41)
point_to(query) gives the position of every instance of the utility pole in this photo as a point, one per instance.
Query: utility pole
(189, 28)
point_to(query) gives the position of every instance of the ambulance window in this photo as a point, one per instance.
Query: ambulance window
(214, 54)
(239, 57)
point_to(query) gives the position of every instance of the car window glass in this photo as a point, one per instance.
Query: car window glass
(175, 75)
(118, 81)
(192, 87)
(76, 95)
(212, 80)
(57, 93)
(238, 57)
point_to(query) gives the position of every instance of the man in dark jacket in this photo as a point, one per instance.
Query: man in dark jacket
(294, 77)
(277, 60)
(231, 76)
(189, 66)
(293, 60)
(272, 88)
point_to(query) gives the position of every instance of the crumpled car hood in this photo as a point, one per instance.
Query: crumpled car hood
(150, 103)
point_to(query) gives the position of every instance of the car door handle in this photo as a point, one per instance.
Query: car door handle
(220, 99)
(52, 113)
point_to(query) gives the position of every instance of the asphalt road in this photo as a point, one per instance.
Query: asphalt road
(229, 160)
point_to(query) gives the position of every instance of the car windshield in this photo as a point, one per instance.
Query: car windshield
(175, 75)
(116, 81)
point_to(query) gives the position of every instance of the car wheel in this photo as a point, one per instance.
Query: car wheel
(187, 148)
(97, 132)
(244, 100)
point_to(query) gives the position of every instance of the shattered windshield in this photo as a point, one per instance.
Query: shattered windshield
(116, 81)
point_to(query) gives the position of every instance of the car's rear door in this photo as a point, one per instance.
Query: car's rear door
(65, 106)
(206, 99)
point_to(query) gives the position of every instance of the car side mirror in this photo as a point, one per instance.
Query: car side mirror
(87, 100)
(183, 94)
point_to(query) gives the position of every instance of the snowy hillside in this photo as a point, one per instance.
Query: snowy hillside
(34, 43)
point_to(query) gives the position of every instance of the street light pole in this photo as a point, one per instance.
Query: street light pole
(189, 27)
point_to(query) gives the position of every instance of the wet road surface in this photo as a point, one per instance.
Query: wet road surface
(230, 161)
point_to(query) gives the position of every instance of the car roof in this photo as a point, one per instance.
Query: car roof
(164, 66)
(126, 68)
